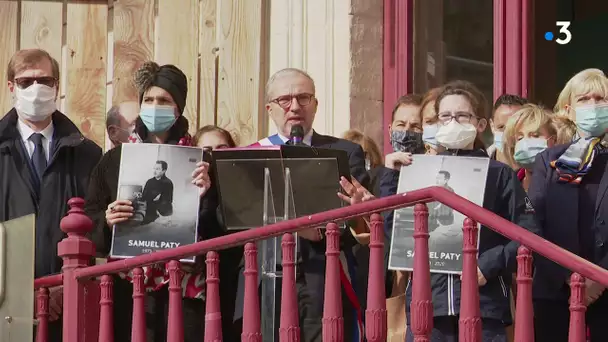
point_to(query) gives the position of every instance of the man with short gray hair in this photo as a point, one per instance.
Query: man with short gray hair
(290, 101)
(120, 121)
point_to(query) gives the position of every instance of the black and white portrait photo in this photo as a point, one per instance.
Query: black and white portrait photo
(465, 176)
(157, 179)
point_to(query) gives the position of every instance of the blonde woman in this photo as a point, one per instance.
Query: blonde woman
(583, 92)
(565, 128)
(527, 133)
(373, 157)
(568, 194)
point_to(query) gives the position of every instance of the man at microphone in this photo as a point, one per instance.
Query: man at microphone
(292, 105)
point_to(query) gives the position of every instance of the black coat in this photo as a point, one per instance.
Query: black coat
(558, 212)
(505, 196)
(72, 158)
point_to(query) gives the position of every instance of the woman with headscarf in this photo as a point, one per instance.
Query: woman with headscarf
(162, 95)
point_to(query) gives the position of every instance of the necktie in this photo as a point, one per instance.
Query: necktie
(38, 157)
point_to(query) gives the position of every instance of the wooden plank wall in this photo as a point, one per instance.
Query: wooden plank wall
(219, 44)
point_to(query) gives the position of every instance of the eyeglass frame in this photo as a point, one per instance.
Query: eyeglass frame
(291, 97)
(455, 117)
(21, 81)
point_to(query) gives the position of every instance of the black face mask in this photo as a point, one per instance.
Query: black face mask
(407, 141)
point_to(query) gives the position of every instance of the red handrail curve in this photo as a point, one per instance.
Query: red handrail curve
(500, 225)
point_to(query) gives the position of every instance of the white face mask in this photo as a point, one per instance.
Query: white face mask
(36, 102)
(456, 136)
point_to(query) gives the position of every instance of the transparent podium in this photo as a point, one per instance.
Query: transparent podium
(264, 186)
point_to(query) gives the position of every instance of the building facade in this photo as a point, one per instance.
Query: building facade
(363, 54)
(502, 46)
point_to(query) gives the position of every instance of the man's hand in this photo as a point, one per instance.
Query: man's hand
(55, 302)
(593, 291)
(397, 159)
(481, 280)
(356, 193)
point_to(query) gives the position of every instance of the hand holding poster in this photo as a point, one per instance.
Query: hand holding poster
(466, 176)
(157, 179)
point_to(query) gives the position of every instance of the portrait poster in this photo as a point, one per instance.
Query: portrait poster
(157, 179)
(465, 176)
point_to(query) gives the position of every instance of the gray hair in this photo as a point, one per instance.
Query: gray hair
(285, 72)
(113, 116)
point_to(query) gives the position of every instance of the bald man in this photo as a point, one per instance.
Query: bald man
(120, 121)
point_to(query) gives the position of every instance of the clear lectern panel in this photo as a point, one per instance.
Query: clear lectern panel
(261, 191)
(241, 183)
(315, 184)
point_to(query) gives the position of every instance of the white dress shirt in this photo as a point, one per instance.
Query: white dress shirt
(47, 138)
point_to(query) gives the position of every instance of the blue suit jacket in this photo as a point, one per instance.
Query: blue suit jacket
(557, 211)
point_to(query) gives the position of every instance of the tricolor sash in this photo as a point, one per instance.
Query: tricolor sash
(348, 265)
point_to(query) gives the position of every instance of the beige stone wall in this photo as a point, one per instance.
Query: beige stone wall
(339, 43)
(366, 35)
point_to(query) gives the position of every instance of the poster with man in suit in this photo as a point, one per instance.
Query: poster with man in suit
(465, 176)
(157, 180)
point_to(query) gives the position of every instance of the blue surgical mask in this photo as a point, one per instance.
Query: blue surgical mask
(428, 134)
(498, 140)
(592, 119)
(157, 118)
(526, 150)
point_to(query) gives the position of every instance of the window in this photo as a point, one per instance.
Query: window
(453, 39)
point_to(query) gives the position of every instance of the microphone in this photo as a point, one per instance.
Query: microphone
(297, 135)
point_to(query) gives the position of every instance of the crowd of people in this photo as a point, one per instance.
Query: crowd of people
(548, 173)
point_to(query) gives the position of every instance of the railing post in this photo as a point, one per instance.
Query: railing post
(175, 325)
(375, 314)
(76, 251)
(252, 328)
(469, 324)
(289, 330)
(333, 322)
(524, 311)
(106, 308)
(422, 305)
(577, 332)
(42, 314)
(213, 315)
(138, 320)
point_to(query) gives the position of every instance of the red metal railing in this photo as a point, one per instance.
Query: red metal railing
(83, 321)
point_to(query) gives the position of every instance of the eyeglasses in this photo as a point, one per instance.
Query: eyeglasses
(461, 117)
(25, 82)
(286, 100)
